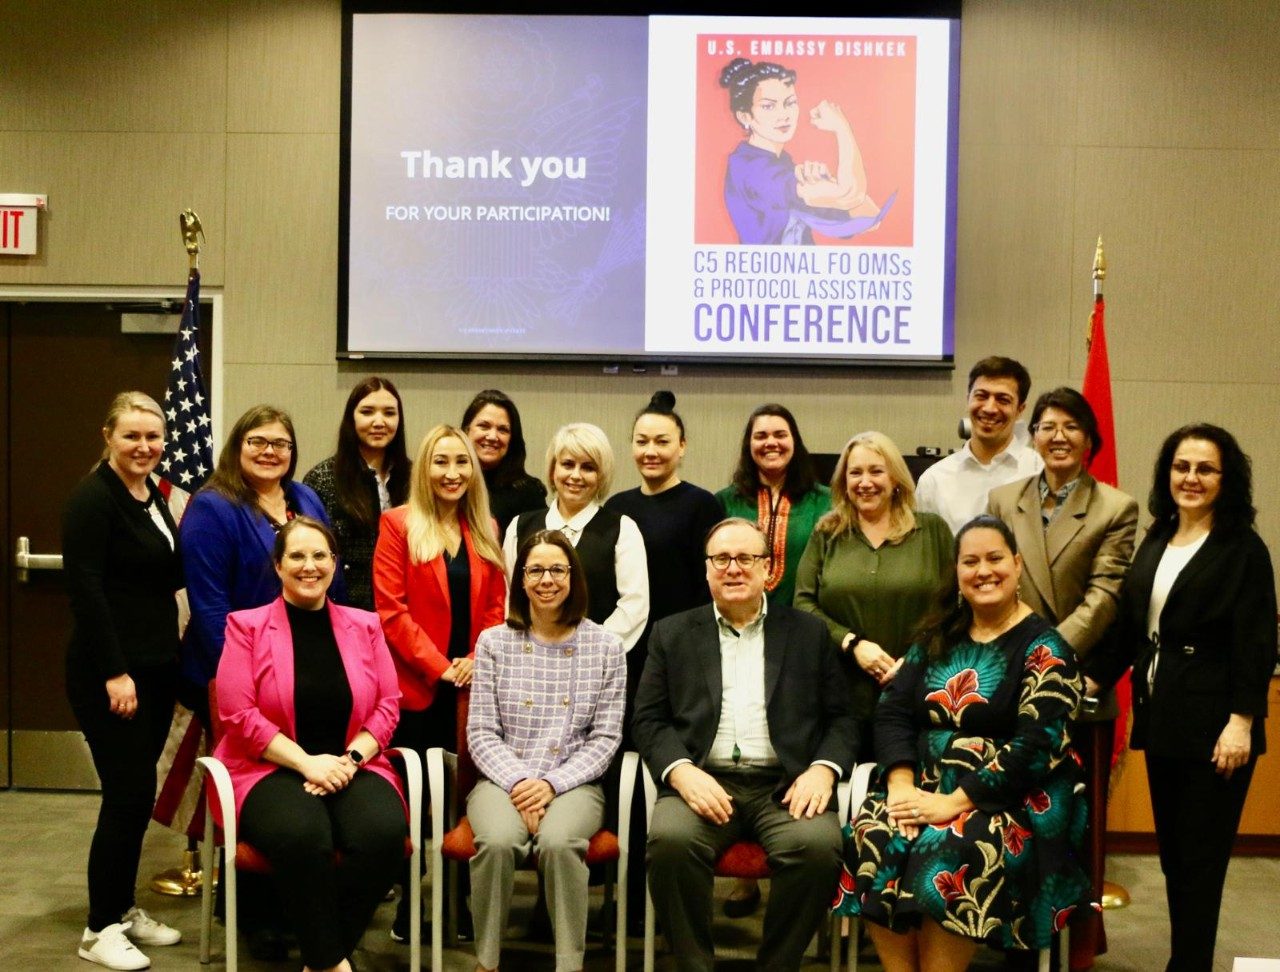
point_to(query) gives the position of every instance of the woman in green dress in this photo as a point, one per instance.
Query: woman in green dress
(873, 566)
(972, 829)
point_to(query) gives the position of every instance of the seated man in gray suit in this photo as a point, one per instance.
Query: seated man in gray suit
(745, 714)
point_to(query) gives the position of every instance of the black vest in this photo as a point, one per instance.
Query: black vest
(596, 550)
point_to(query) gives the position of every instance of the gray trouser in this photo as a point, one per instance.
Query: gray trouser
(804, 856)
(503, 844)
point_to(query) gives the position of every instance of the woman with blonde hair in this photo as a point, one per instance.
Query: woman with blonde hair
(123, 567)
(873, 565)
(438, 581)
(579, 469)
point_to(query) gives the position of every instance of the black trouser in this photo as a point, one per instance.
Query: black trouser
(1197, 813)
(328, 902)
(125, 752)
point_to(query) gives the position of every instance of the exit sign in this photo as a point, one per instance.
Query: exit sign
(19, 226)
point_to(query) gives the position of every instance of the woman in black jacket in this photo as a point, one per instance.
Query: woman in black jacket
(123, 569)
(1197, 621)
(368, 475)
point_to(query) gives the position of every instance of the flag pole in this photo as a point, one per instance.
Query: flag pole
(185, 880)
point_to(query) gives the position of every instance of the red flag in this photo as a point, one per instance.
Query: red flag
(1102, 466)
(1097, 391)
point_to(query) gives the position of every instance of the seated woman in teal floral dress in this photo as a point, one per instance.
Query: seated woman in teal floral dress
(971, 829)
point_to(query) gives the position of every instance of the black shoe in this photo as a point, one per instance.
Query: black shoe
(268, 945)
(742, 907)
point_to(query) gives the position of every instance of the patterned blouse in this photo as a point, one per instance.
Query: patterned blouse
(546, 711)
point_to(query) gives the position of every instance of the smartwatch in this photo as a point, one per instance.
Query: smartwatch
(355, 756)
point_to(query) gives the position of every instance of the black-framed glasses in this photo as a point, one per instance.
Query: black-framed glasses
(1203, 470)
(721, 561)
(558, 572)
(259, 444)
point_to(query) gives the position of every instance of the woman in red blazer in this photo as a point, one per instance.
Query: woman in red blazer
(307, 700)
(438, 581)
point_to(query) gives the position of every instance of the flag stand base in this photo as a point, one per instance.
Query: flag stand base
(1114, 896)
(181, 882)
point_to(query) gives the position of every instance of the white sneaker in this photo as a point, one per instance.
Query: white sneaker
(110, 947)
(145, 930)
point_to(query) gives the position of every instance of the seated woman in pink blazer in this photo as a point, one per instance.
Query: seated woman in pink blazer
(308, 699)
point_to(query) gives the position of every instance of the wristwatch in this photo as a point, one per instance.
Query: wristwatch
(355, 756)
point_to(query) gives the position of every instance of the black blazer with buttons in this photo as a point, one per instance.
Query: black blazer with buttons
(808, 699)
(122, 575)
(1217, 643)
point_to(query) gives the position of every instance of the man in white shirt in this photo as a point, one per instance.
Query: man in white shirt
(956, 487)
(744, 712)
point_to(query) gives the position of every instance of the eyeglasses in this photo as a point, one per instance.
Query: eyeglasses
(1203, 470)
(258, 444)
(721, 561)
(1050, 429)
(558, 572)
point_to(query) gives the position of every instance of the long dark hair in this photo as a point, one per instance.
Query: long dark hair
(510, 469)
(228, 478)
(948, 622)
(800, 477)
(350, 473)
(1233, 509)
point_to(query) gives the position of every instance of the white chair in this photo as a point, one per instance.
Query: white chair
(246, 857)
(452, 837)
(730, 863)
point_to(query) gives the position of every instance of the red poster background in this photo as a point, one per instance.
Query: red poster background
(877, 95)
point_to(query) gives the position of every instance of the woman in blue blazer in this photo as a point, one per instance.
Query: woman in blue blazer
(229, 531)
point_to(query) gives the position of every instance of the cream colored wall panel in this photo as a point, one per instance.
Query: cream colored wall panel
(106, 66)
(1018, 65)
(282, 248)
(1147, 411)
(114, 200)
(284, 66)
(1192, 289)
(1015, 272)
(1184, 73)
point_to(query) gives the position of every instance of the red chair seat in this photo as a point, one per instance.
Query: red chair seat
(249, 858)
(459, 844)
(744, 859)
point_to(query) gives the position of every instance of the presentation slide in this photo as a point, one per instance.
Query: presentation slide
(663, 188)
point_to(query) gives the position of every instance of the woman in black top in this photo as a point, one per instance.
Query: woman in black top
(492, 423)
(673, 517)
(122, 569)
(367, 476)
(1197, 622)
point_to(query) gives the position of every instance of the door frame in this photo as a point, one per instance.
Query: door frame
(73, 749)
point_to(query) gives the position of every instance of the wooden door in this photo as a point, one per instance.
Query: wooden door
(62, 364)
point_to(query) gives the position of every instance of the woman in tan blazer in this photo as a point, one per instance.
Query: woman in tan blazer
(1076, 537)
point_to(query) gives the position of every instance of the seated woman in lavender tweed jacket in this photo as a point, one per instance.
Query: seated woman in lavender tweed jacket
(547, 701)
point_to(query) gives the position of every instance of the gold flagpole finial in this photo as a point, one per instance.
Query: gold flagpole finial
(192, 233)
(1099, 262)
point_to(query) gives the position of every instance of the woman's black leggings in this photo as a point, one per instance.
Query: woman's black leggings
(125, 752)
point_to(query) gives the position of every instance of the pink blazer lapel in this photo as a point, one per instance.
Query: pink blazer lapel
(279, 642)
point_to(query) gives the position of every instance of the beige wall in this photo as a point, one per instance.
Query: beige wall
(1156, 124)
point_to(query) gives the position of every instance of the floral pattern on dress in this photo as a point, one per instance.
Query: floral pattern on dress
(991, 718)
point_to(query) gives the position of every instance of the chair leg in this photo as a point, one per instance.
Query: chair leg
(605, 931)
(649, 932)
(454, 898)
(209, 859)
(620, 929)
(229, 923)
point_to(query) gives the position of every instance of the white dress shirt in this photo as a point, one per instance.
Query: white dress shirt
(744, 725)
(630, 568)
(956, 487)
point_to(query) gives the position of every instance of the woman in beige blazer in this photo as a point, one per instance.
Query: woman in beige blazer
(1076, 537)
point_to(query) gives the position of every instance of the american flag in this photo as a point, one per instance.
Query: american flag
(188, 450)
(186, 464)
